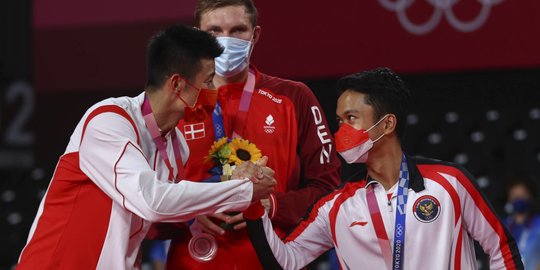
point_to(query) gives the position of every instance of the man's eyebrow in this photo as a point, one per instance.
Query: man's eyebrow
(350, 111)
(239, 27)
(213, 28)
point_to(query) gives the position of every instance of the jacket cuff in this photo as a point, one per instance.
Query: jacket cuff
(254, 211)
(273, 206)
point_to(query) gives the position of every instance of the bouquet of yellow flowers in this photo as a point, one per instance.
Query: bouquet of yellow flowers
(226, 154)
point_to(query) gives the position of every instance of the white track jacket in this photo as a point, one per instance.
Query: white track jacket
(444, 213)
(109, 186)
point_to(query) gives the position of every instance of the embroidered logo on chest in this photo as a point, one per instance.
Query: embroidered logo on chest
(270, 96)
(269, 127)
(426, 209)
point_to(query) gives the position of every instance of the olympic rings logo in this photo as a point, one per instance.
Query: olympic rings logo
(441, 8)
(399, 230)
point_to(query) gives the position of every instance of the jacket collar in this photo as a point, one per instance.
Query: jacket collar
(240, 85)
(416, 181)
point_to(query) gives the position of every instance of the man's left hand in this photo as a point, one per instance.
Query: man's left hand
(237, 218)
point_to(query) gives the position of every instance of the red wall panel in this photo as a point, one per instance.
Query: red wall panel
(300, 39)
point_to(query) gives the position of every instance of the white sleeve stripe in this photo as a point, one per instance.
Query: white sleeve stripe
(116, 174)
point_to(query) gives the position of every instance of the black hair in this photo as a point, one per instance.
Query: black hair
(178, 49)
(384, 90)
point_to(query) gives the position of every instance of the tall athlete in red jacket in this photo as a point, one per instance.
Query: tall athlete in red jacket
(282, 117)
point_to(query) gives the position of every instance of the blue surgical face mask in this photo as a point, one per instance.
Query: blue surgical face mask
(235, 56)
(520, 206)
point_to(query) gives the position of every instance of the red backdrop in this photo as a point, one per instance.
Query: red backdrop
(100, 45)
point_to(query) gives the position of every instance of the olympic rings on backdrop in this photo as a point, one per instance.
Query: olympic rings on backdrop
(441, 8)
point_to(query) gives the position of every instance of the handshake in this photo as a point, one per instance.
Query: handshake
(261, 176)
(263, 185)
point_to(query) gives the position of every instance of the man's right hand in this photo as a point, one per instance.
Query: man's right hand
(264, 186)
(248, 169)
(261, 176)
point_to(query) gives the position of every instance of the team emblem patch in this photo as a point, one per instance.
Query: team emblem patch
(426, 209)
(269, 128)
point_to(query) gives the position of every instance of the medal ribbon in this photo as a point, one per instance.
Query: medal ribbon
(241, 114)
(393, 260)
(161, 142)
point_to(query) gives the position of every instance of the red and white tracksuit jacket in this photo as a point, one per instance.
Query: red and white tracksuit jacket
(439, 236)
(108, 187)
(286, 123)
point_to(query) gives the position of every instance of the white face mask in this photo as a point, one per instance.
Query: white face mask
(234, 58)
(359, 152)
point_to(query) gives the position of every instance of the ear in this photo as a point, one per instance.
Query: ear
(390, 124)
(256, 34)
(175, 83)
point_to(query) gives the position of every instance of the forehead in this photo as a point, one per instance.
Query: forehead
(352, 100)
(225, 17)
(519, 191)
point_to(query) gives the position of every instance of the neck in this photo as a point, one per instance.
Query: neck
(163, 111)
(238, 78)
(384, 163)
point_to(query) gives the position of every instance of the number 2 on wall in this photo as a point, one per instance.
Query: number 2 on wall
(15, 133)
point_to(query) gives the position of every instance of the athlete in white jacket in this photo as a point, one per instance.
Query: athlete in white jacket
(406, 213)
(122, 169)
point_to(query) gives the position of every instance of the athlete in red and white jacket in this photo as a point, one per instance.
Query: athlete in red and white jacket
(437, 238)
(107, 189)
(443, 210)
(118, 173)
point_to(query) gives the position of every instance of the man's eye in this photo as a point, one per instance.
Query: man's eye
(213, 32)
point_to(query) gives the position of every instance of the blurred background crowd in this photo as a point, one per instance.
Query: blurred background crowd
(473, 68)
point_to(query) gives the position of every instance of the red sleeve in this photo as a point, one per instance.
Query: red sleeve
(319, 165)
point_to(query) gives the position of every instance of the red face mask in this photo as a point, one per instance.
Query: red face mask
(203, 107)
(347, 137)
(354, 144)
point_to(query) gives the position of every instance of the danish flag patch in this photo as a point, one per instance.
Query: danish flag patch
(194, 131)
